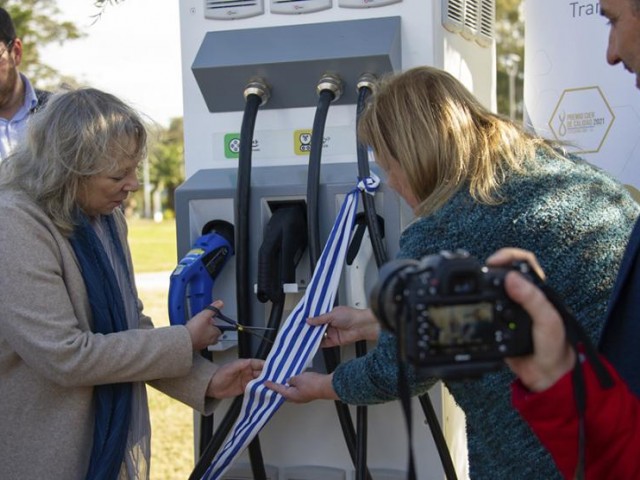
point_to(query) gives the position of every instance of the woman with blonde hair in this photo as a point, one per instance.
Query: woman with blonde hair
(477, 181)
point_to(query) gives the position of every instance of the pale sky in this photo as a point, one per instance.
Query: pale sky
(132, 51)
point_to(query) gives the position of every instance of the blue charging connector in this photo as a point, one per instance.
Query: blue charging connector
(194, 276)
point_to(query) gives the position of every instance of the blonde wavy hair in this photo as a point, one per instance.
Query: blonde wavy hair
(443, 138)
(78, 134)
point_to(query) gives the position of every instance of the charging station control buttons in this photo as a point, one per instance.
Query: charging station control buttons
(232, 9)
(299, 6)
(302, 142)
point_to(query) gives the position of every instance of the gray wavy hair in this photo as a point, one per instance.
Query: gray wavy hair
(78, 134)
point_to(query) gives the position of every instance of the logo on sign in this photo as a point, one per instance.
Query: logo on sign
(582, 118)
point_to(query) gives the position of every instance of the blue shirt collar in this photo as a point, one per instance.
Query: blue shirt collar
(30, 98)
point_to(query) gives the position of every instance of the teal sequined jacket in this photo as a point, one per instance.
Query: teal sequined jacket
(577, 220)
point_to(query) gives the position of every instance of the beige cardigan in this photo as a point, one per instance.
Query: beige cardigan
(50, 359)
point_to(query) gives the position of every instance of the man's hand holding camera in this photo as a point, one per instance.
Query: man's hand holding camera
(552, 356)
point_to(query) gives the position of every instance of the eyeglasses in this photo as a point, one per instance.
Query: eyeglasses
(7, 48)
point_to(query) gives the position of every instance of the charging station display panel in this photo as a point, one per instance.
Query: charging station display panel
(232, 9)
(365, 3)
(299, 6)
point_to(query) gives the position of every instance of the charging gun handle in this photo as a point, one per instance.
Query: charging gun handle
(178, 282)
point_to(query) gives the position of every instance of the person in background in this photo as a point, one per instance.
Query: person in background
(477, 181)
(544, 392)
(18, 98)
(75, 346)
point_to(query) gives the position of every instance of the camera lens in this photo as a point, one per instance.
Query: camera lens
(390, 283)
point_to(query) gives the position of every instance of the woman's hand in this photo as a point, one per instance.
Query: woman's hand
(346, 325)
(306, 387)
(232, 378)
(202, 329)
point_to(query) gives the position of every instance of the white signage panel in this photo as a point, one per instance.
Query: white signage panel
(572, 94)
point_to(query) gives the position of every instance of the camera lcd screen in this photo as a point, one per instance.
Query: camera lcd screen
(468, 324)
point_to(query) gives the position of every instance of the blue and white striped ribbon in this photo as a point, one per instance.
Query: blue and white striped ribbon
(296, 343)
(369, 184)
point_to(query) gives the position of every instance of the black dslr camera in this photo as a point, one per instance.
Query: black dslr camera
(451, 314)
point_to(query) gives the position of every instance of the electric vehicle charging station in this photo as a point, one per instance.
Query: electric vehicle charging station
(228, 46)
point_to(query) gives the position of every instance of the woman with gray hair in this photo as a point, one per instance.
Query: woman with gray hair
(478, 182)
(75, 346)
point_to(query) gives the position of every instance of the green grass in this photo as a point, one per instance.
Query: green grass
(153, 245)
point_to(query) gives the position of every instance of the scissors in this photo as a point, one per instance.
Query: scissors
(235, 326)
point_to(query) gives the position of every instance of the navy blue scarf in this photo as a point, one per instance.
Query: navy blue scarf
(113, 401)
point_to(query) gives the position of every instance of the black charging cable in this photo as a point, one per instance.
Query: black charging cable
(375, 225)
(376, 234)
(329, 89)
(256, 94)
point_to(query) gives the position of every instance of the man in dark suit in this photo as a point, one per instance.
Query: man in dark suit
(544, 393)
(622, 331)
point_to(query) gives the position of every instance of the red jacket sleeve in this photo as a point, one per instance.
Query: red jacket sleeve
(612, 425)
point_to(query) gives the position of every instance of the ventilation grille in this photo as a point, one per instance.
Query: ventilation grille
(487, 19)
(470, 29)
(473, 19)
(453, 15)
